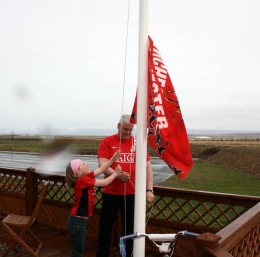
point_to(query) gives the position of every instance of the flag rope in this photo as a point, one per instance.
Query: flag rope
(126, 47)
(123, 97)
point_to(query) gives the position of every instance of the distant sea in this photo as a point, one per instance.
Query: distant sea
(59, 132)
(192, 133)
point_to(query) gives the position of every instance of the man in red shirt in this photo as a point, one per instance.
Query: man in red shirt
(119, 195)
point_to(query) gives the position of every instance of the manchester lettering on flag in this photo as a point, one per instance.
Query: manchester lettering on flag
(167, 132)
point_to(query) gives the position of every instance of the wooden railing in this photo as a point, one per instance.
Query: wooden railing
(228, 224)
(242, 237)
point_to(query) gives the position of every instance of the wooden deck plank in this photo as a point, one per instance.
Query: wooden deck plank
(56, 244)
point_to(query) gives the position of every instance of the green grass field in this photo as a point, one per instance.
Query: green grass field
(212, 177)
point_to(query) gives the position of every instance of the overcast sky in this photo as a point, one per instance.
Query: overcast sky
(62, 61)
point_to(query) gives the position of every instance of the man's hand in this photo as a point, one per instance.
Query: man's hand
(149, 196)
(123, 176)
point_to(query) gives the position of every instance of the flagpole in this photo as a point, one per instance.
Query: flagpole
(141, 133)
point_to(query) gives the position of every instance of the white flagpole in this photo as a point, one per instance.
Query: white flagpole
(141, 133)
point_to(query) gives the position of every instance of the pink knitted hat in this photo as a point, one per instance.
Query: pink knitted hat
(74, 164)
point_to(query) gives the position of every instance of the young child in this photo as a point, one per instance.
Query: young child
(83, 181)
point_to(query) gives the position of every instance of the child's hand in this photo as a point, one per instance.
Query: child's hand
(118, 169)
(117, 155)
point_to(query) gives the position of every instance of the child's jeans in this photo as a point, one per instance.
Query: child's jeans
(77, 228)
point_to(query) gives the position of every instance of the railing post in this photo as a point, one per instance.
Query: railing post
(210, 246)
(31, 196)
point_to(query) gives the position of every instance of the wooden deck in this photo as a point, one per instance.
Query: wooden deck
(230, 223)
(56, 244)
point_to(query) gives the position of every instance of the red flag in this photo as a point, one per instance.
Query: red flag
(167, 131)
